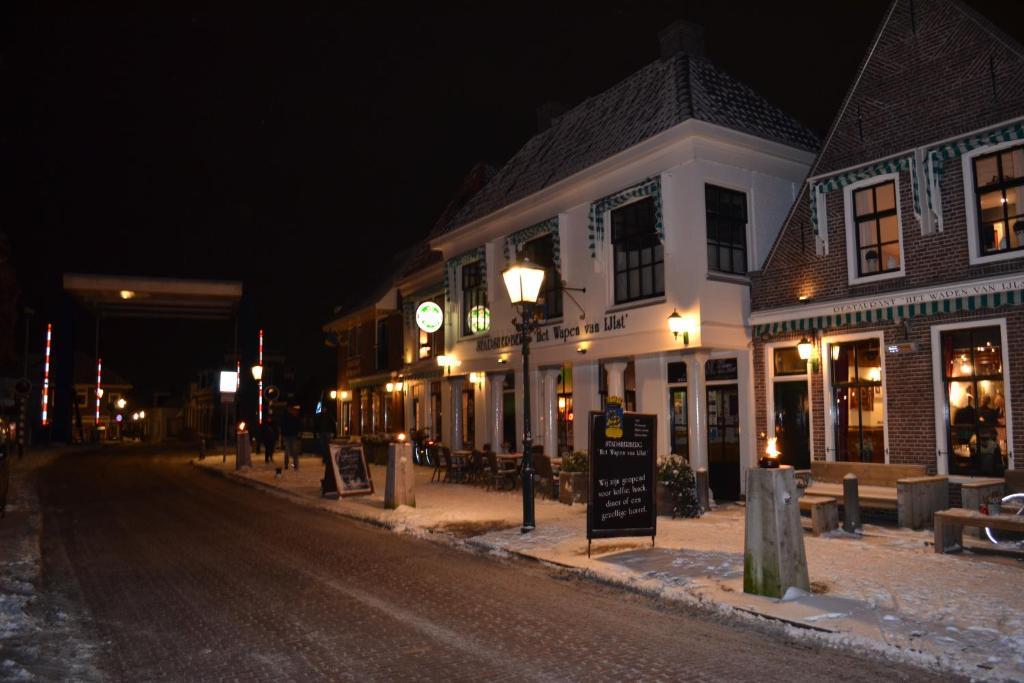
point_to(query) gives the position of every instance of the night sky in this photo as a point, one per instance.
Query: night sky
(299, 152)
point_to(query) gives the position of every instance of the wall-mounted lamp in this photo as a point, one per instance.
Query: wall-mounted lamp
(399, 386)
(334, 394)
(804, 348)
(344, 395)
(835, 351)
(448, 362)
(677, 326)
(502, 360)
(389, 387)
(476, 378)
(582, 347)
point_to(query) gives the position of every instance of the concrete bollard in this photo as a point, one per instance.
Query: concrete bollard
(400, 486)
(851, 503)
(703, 488)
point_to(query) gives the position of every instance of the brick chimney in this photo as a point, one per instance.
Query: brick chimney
(681, 36)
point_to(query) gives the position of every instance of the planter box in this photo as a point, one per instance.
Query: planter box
(573, 487)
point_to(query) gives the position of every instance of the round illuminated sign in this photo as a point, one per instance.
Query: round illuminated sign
(479, 319)
(429, 317)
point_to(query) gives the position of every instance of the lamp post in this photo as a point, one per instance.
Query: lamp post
(523, 281)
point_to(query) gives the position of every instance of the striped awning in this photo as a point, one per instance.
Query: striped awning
(890, 313)
(516, 240)
(936, 157)
(823, 186)
(651, 187)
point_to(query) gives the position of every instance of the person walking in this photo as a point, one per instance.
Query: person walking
(269, 435)
(291, 425)
(323, 427)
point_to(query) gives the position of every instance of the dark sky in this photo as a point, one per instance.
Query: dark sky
(298, 151)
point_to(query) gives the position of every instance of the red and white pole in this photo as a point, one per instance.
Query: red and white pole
(99, 387)
(259, 403)
(46, 377)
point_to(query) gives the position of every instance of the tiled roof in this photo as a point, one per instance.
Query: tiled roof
(655, 98)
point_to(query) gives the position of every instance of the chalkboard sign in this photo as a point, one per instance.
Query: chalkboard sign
(351, 475)
(622, 476)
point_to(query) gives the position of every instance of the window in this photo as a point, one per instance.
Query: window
(999, 194)
(382, 345)
(677, 372)
(541, 252)
(726, 215)
(972, 361)
(639, 254)
(858, 399)
(787, 361)
(565, 413)
(877, 229)
(476, 317)
(720, 369)
(468, 416)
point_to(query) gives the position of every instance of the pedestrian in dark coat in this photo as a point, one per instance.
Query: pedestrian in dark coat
(291, 425)
(269, 435)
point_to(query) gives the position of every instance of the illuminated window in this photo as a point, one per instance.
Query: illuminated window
(976, 401)
(476, 316)
(999, 194)
(858, 398)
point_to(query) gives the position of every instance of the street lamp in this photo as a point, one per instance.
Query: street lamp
(121, 403)
(257, 372)
(523, 281)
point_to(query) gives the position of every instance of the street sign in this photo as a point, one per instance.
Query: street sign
(351, 475)
(623, 476)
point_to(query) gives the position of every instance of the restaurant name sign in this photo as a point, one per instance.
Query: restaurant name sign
(561, 332)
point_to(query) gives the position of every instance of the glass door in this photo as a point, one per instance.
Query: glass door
(724, 441)
(679, 438)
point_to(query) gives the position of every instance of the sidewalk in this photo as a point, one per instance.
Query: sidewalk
(886, 591)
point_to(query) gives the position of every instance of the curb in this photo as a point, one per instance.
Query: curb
(779, 625)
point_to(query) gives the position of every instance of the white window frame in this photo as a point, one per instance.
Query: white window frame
(769, 364)
(974, 255)
(852, 255)
(748, 192)
(938, 381)
(826, 375)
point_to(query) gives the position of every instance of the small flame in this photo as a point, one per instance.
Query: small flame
(401, 437)
(772, 451)
(241, 426)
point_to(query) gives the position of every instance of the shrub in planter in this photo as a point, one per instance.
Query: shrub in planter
(677, 487)
(573, 479)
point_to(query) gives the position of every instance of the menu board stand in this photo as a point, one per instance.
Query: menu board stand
(351, 474)
(623, 476)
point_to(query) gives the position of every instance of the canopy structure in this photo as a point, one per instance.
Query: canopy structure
(116, 296)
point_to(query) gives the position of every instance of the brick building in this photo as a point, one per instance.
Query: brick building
(902, 261)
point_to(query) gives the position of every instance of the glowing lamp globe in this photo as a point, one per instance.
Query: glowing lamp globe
(523, 281)
(804, 348)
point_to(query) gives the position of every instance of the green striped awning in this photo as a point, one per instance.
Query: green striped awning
(651, 187)
(823, 186)
(891, 313)
(936, 157)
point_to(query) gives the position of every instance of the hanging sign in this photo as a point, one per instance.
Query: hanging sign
(429, 317)
(622, 475)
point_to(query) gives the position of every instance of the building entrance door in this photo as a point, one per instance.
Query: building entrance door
(678, 436)
(793, 424)
(724, 441)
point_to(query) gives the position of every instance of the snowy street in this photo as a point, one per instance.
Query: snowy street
(184, 576)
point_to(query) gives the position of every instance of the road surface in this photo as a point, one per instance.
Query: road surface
(184, 576)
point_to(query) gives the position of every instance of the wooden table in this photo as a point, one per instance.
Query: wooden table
(949, 526)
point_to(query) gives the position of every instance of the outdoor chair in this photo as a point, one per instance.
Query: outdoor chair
(440, 467)
(475, 468)
(497, 473)
(455, 470)
(543, 474)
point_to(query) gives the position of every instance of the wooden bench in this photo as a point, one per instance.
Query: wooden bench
(824, 513)
(906, 489)
(949, 526)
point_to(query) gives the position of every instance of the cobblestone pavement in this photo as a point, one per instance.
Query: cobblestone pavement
(189, 577)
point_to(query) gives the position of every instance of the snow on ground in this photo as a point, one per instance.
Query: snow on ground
(886, 590)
